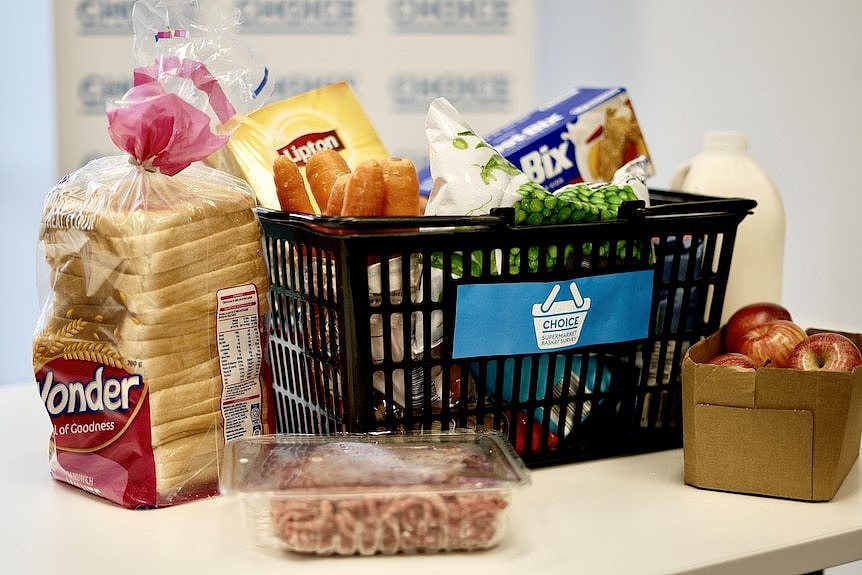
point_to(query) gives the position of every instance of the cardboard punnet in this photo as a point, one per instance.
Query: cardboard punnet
(779, 432)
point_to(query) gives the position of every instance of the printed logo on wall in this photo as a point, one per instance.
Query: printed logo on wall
(446, 17)
(308, 17)
(104, 17)
(470, 93)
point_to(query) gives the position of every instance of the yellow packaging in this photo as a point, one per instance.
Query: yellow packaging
(327, 117)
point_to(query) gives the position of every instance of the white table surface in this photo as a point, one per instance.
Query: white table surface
(624, 515)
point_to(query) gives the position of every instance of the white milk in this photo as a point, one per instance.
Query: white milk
(725, 169)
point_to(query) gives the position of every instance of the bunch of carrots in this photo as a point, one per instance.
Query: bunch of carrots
(387, 187)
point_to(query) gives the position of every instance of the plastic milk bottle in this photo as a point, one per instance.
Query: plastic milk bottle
(725, 169)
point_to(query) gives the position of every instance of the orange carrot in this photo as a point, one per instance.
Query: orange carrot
(363, 193)
(335, 201)
(321, 171)
(401, 184)
(290, 186)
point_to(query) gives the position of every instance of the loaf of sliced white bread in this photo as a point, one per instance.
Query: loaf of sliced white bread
(134, 275)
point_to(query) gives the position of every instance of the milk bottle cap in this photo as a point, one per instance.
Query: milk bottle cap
(725, 141)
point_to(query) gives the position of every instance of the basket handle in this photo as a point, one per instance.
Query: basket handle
(637, 208)
(505, 217)
(498, 217)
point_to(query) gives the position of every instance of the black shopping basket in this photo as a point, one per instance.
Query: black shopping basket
(568, 338)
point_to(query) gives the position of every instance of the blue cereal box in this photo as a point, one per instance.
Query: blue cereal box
(584, 136)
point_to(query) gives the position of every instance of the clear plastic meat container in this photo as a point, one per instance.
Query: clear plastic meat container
(374, 493)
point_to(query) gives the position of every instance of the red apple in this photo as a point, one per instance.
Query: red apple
(748, 317)
(733, 359)
(772, 342)
(826, 351)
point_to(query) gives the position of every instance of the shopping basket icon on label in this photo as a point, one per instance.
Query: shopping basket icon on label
(559, 323)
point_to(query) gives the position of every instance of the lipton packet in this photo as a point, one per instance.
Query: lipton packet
(329, 117)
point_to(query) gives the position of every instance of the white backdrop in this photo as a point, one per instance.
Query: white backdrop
(788, 74)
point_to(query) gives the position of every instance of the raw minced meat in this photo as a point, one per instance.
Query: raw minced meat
(357, 497)
(381, 524)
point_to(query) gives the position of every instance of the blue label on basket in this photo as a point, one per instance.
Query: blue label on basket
(530, 317)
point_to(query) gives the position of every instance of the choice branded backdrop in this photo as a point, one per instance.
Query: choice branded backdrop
(397, 54)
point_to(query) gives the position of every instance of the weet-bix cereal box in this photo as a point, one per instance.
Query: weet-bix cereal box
(584, 136)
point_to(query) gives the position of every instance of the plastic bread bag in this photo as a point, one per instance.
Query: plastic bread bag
(149, 353)
(185, 29)
(203, 31)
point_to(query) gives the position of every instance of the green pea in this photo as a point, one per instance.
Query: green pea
(603, 250)
(621, 250)
(568, 196)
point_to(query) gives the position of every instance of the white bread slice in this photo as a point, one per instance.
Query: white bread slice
(112, 321)
(92, 274)
(183, 400)
(203, 371)
(189, 464)
(173, 429)
(67, 250)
